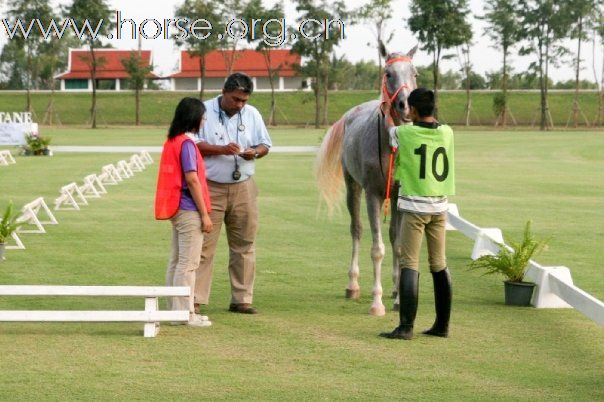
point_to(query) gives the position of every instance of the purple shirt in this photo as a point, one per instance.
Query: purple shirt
(188, 162)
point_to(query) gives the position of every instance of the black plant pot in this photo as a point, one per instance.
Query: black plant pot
(518, 293)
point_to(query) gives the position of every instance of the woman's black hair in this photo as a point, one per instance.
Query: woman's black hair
(187, 117)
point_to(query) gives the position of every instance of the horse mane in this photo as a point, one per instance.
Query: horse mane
(328, 165)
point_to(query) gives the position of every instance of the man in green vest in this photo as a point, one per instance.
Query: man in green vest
(425, 170)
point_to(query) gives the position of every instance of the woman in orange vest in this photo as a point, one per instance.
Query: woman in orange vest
(182, 196)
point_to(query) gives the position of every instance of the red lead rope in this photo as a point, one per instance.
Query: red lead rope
(389, 182)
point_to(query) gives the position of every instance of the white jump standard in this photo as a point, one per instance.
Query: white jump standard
(67, 197)
(6, 158)
(29, 215)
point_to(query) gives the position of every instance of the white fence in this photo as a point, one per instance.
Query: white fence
(151, 315)
(555, 288)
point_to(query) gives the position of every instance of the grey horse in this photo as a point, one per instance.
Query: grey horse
(356, 152)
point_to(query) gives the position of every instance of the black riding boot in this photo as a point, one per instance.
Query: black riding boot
(408, 290)
(442, 303)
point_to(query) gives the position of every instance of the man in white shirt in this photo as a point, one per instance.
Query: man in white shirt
(232, 138)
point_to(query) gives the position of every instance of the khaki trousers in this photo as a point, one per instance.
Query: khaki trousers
(187, 240)
(235, 205)
(411, 232)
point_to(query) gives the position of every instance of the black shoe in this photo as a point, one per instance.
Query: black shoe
(242, 308)
(400, 332)
(442, 303)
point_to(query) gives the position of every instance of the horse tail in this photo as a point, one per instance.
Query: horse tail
(328, 165)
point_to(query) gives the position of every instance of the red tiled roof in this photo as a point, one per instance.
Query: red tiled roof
(250, 62)
(109, 64)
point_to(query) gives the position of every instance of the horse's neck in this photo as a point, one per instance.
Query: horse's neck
(383, 134)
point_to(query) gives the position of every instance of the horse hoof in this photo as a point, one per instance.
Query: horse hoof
(378, 311)
(353, 294)
(395, 307)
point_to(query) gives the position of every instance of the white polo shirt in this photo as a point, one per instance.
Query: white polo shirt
(245, 128)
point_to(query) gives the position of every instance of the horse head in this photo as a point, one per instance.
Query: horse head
(398, 81)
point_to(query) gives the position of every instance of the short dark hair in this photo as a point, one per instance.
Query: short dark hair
(422, 100)
(187, 117)
(239, 82)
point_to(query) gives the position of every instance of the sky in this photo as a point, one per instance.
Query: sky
(359, 43)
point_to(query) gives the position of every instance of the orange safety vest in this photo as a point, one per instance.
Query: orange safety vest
(169, 179)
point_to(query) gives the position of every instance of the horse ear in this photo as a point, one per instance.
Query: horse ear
(411, 52)
(383, 51)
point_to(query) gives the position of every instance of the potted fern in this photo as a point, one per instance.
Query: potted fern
(36, 144)
(512, 262)
(8, 224)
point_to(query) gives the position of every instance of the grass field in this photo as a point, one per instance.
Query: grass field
(309, 342)
(155, 136)
(294, 108)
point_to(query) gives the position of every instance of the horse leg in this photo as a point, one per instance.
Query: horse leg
(374, 207)
(353, 202)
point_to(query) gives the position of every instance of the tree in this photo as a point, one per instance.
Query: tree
(377, 13)
(317, 42)
(598, 27)
(476, 80)
(197, 45)
(255, 9)
(340, 72)
(29, 11)
(544, 23)
(439, 25)
(14, 65)
(54, 57)
(95, 15)
(138, 71)
(447, 80)
(503, 28)
(463, 54)
(581, 11)
(367, 75)
(233, 34)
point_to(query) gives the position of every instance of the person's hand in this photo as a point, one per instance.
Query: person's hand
(248, 154)
(231, 149)
(206, 224)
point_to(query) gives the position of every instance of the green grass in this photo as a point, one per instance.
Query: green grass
(309, 342)
(156, 136)
(294, 108)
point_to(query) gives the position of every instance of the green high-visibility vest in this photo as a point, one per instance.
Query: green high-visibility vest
(425, 164)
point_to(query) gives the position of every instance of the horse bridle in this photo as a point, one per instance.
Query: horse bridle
(390, 97)
(385, 93)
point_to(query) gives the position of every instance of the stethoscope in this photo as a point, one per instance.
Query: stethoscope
(240, 125)
(240, 128)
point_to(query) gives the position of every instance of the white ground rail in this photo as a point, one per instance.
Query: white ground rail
(6, 158)
(151, 315)
(555, 288)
